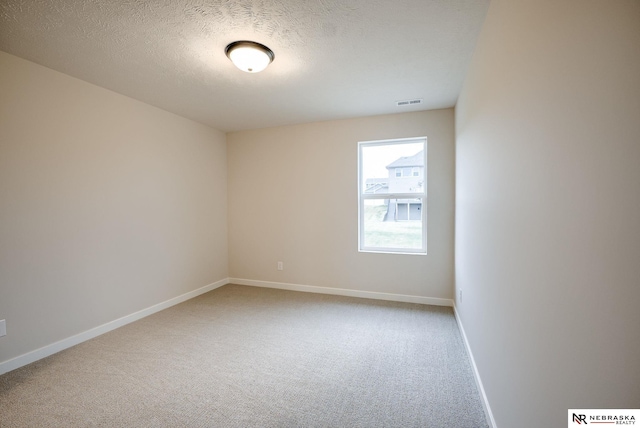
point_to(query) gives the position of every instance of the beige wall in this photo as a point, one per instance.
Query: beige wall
(548, 208)
(293, 198)
(107, 206)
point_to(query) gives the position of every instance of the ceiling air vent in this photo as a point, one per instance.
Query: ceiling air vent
(409, 102)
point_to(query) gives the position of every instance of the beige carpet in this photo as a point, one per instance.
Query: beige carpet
(252, 357)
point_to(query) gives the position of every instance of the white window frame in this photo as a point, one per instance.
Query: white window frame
(362, 197)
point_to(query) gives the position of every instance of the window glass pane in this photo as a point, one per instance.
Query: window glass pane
(388, 168)
(392, 190)
(392, 223)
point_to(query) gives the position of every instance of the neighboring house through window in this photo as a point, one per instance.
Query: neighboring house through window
(392, 195)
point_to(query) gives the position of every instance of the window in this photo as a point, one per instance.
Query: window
(407, 172)
(392, 196)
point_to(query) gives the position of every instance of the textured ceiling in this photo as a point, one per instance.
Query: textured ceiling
(334, 58)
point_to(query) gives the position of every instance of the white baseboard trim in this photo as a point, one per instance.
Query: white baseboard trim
(344, 292)
(45, 351)
(485, 402)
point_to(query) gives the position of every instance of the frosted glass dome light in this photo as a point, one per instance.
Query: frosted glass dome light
(248, 56)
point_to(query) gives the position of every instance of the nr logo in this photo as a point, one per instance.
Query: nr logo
(580, 419)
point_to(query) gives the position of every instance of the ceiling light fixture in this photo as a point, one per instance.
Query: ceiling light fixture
(249, 56)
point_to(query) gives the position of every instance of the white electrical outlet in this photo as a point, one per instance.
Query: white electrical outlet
(280, 266)
(460, 296)
(3, 328)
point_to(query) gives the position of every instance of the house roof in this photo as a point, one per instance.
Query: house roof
(415, 160)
